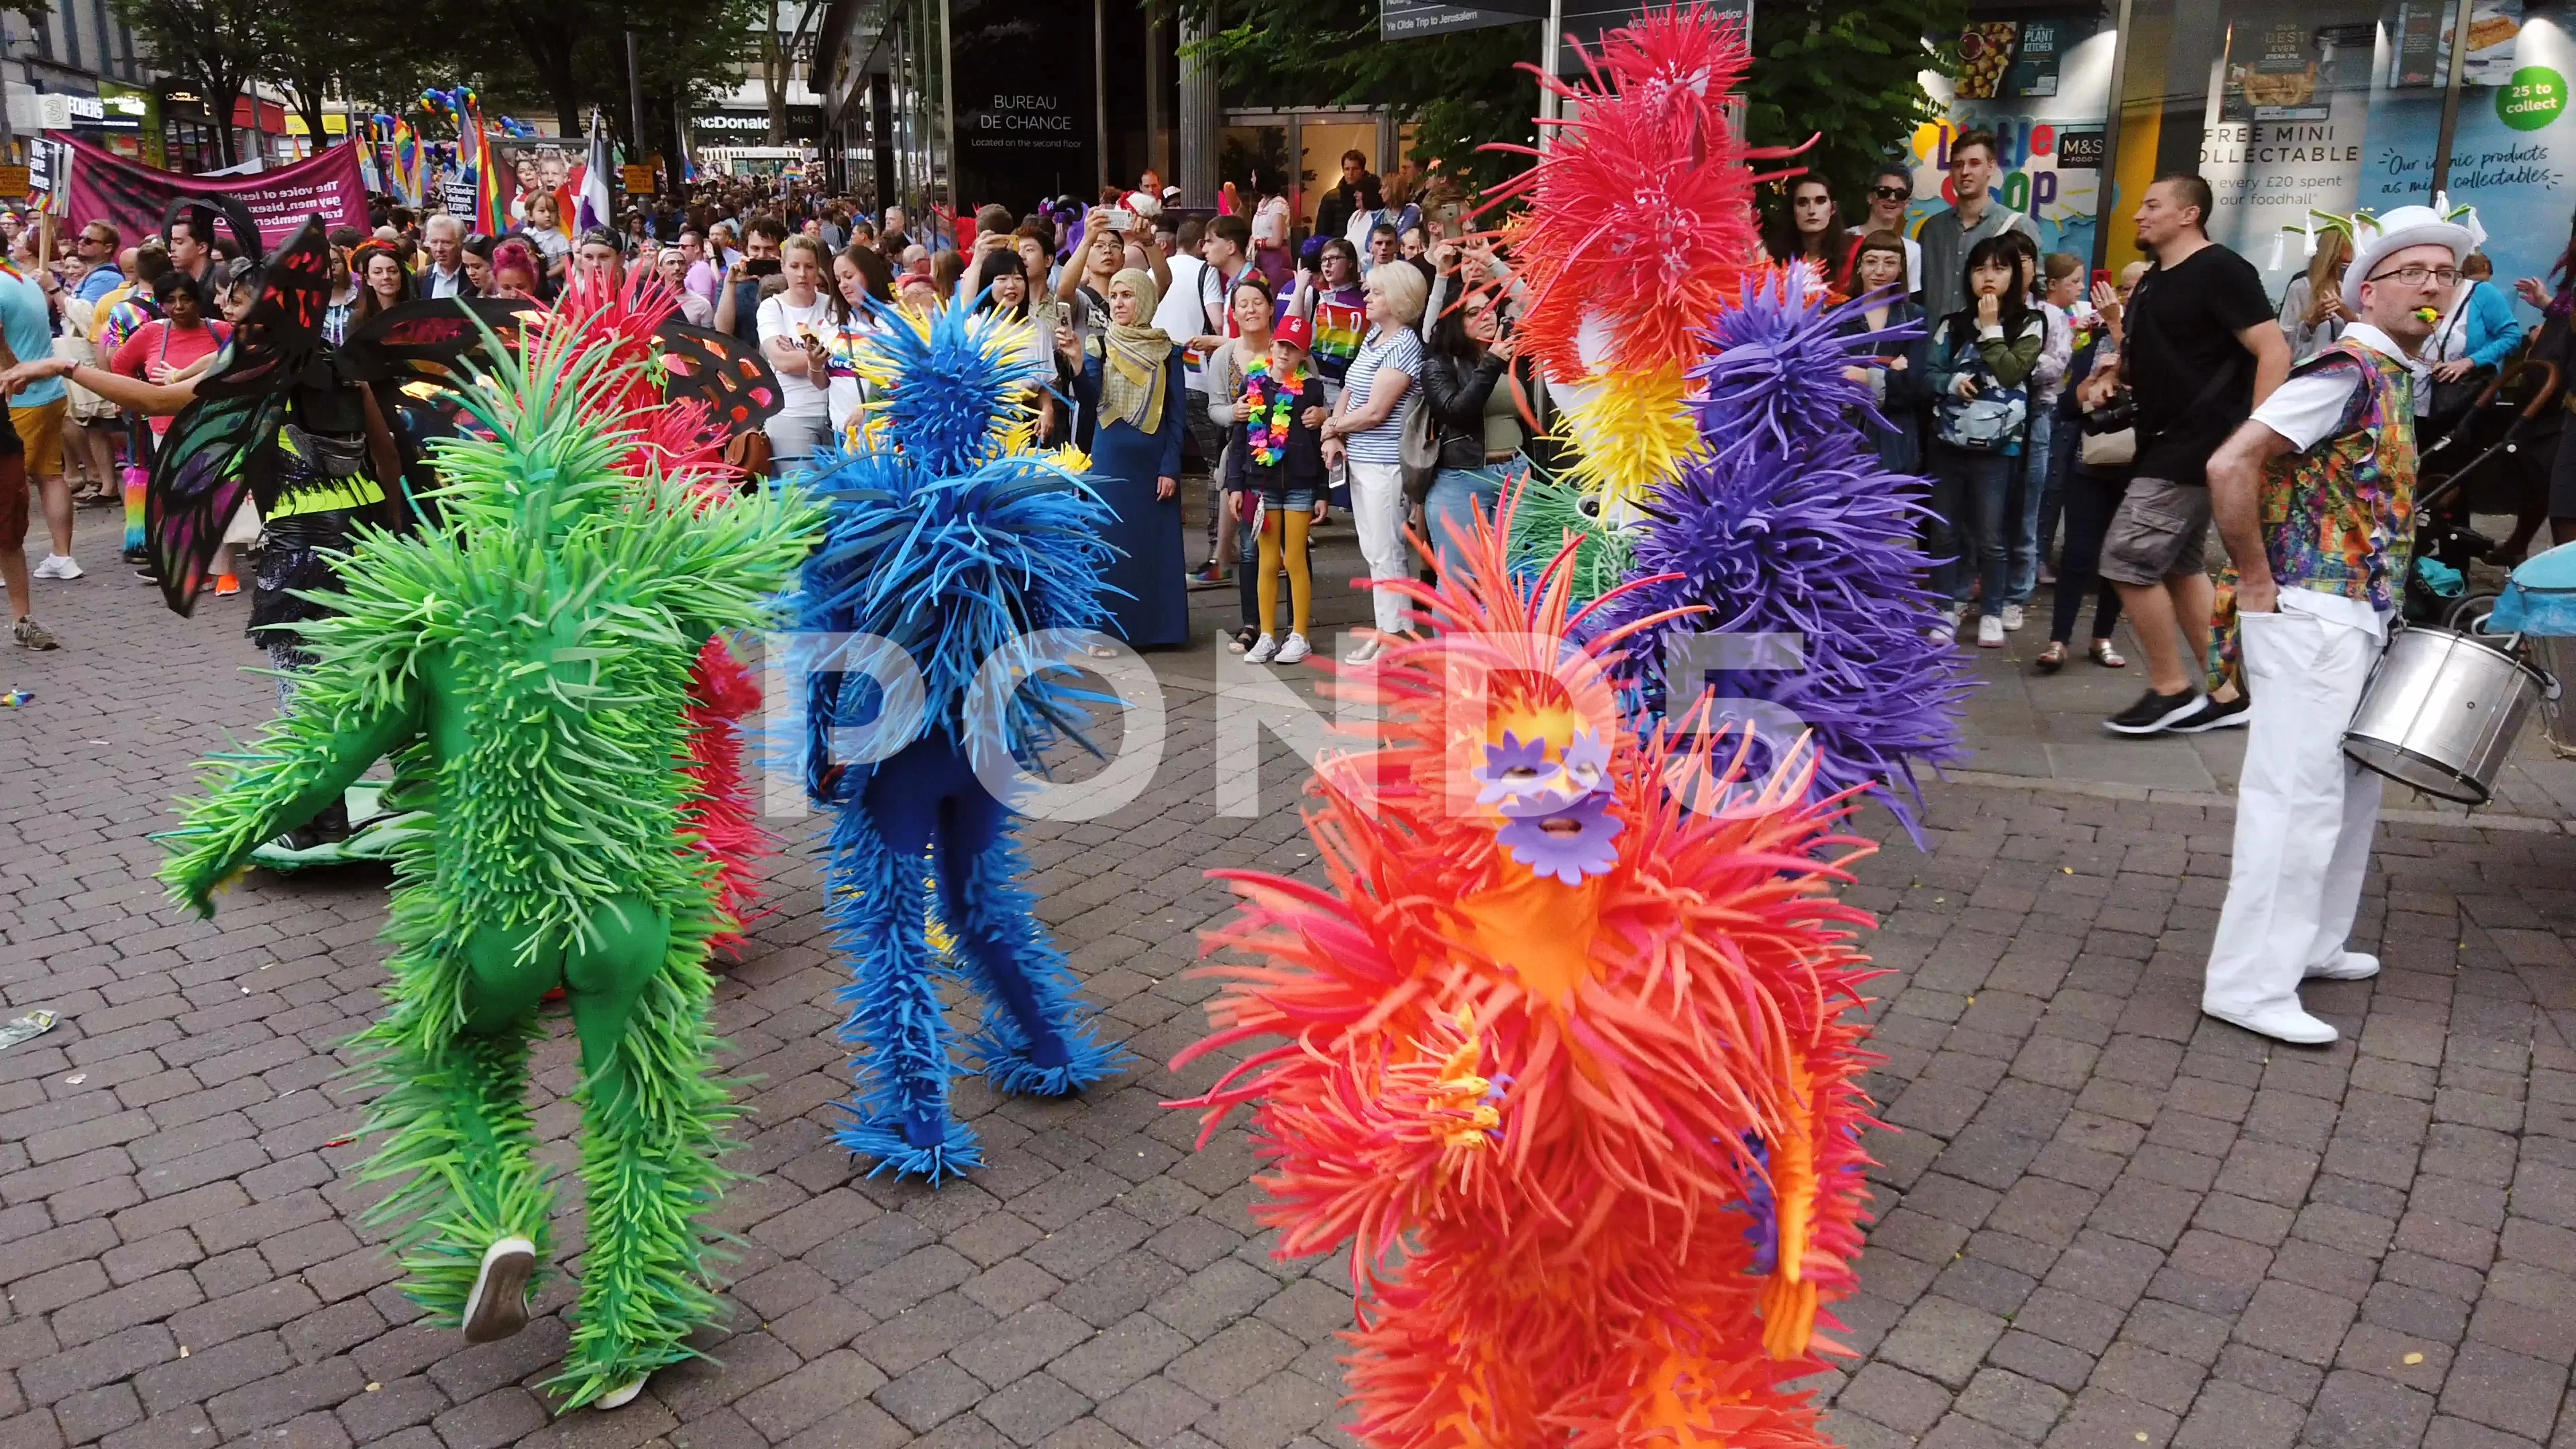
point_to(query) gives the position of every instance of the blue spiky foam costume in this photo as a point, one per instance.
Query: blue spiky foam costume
(953, 544)
(1783, 523)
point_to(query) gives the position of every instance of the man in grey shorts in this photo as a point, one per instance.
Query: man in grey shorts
(2203, 347)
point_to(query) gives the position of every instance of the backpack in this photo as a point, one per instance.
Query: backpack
(1997, 419)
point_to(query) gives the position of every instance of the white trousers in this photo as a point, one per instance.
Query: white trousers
(2304, 813)
(1377, 511)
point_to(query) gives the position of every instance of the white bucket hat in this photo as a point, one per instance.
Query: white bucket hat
(2375, 238)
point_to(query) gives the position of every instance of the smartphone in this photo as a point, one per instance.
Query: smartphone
(760, 267)
(2101, 277)
(1121, 219)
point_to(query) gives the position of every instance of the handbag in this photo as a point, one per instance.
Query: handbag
(2451, 401)
(1420, 448)
(1992, 421)
(2115, 449)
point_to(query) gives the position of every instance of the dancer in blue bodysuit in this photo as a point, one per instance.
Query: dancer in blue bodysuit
(950, 550)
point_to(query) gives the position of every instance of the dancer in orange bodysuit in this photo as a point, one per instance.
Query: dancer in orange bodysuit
(1568, 1063)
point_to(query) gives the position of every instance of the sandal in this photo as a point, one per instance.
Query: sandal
(2101, 652)
(2052, 658)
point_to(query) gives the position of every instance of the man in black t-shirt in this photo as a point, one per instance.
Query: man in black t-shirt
(2203, 346)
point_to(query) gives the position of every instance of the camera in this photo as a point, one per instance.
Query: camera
(2120, 412)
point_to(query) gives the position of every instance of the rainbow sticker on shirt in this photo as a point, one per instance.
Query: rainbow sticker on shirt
(1339, 326)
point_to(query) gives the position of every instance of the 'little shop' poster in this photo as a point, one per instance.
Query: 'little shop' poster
(2042, 83)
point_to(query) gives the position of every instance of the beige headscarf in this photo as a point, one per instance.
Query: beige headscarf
(1134, 360)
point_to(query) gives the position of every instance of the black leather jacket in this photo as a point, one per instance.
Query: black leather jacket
(1456, 394)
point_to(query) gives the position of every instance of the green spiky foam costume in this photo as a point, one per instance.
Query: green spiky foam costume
(526, 665)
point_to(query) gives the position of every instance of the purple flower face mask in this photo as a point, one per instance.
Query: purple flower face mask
(1570, 843)
(1556, 811)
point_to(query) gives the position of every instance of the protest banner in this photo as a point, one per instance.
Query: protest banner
(107, 187)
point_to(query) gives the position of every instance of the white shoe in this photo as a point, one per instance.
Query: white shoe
(498, 1306)
(1365, 654)
(2280, 1023)
(2013, 618)
(620, 1396)
(58, 566)
(1990, 632)
(1263, 650)
(1947, 631)
(2350, 966)
(1295, 649)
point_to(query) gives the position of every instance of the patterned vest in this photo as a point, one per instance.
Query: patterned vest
(2339, 518)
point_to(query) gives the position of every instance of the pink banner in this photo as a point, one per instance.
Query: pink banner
(107, 187)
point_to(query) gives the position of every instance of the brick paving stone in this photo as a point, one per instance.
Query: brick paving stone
(2106, 1217)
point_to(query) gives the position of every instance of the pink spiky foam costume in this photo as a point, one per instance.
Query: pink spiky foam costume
(1570, 1065)
(721, 390)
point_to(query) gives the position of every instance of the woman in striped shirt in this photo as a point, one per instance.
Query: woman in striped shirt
(1367, 429)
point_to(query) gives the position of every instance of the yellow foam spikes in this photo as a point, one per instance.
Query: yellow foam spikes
(1630, 432)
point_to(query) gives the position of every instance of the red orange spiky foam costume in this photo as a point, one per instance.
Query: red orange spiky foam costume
(686, 438)
(1639, 227)
(1585, 1107)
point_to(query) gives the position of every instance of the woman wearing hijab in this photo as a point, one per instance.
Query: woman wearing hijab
(1128, 377)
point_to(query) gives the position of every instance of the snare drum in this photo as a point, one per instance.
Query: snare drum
(2442, 711)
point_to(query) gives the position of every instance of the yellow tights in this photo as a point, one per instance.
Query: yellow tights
(1301, 580)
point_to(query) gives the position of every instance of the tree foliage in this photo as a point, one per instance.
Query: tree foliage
(218, 46)
(1850, 72)
(1850, 69)
(1461, 90)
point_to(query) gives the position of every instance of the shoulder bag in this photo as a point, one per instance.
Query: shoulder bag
(1992, 421)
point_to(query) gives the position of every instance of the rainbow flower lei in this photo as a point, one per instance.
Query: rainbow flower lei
(1270, 406)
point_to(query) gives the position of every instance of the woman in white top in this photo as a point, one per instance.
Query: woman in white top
(792, 323)
(1367, 429)
(1270, 229)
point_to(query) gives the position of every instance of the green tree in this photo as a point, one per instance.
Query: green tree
(1461, 90)
(1851, 71)
(218, 46)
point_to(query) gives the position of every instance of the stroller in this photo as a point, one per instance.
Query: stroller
(2483, 465)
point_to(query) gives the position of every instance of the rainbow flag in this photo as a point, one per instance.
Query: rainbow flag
(409, 163)
(491, 209)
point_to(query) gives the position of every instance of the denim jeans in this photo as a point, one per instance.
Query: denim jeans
(1969, 494)
(2061, 476)
(1458, 498)
(2030, 476)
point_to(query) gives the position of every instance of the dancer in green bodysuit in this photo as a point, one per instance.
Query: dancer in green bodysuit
(526, 664)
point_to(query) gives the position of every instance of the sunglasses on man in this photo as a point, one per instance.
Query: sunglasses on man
(1892, 193)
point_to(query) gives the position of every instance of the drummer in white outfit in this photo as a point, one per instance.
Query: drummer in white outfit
(2314, 497)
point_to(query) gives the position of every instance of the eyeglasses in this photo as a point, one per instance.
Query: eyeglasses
(93, 241)
(2416, 276)
(1892, 193)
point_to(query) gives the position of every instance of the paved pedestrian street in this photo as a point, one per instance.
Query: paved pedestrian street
(2102, 1220)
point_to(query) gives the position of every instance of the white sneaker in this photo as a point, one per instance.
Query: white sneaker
(2013, 618)
(58, 566)
(1295, 649)
(498, 1306)
(1262, 651)
(2280, 1023)
(2350, 966)
(1365, 654)
(620, 1396)
(1947, 631)
(1990, 632)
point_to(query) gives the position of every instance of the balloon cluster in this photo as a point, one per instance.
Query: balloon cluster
(451, 104)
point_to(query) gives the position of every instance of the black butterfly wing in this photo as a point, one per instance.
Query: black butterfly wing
(281, 335)
(432, 341)
(209, 462)
(720, 370)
